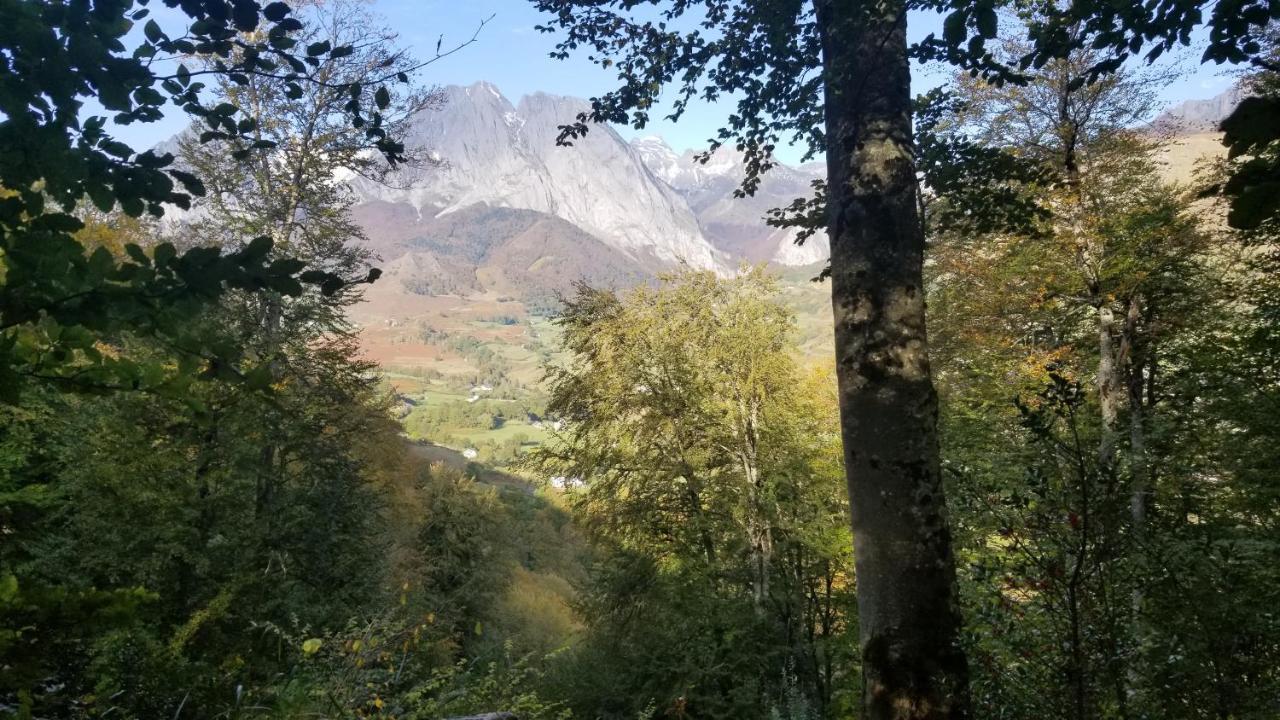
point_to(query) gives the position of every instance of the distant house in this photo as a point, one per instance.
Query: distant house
(470, 453)
(473, 398)
(557, 424)
(560, 482)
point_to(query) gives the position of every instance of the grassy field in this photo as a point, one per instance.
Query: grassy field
(508, 431)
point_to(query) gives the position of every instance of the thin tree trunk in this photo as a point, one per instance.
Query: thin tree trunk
(913, 665)
(759, 529)
(1108, 388)
(1136, 359)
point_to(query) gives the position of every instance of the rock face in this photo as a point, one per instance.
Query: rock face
(504, 156)
(1195, 116)
(510, 212)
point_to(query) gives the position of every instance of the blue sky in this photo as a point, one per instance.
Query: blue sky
(513, 56)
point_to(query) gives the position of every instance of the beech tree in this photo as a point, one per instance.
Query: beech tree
(714, 494)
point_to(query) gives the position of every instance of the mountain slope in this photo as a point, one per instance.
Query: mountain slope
(485, 249)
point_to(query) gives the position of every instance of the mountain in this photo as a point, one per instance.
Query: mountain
(478, 247)
(506, 210)
(736, 226)
(502, 155)
(1195, 116)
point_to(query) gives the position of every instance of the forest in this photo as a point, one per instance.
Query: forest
(1039, 477)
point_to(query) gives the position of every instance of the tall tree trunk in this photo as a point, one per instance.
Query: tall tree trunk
(759, 528)
(913, 664)
(1136, 355)
(1109, 387)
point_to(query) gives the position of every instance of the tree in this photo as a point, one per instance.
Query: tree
(1084, 573)
(57, 301)
(711, 476)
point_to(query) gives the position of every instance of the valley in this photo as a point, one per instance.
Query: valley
(477, 249)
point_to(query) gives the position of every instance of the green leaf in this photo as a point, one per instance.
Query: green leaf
(287, 266)
(331, 285)
(953, 29)
(153, 32)
(1254, 123)
(135, 252)
(164, 254)
(287, 286)
(257, 248)
(312, 646)
(59, 222)
(190, 182)
(101, 261)
(275, 12)
(259, 378)
(8, 588)
(987, 21)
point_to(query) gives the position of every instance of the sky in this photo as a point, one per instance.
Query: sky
(509, 53)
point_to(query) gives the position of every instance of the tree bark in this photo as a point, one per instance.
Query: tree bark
(759, 529)
(1136, 360)
(1135, 355)
(913, 664)
(1108, 387)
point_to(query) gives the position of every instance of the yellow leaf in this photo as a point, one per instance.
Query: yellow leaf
(311, 646)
